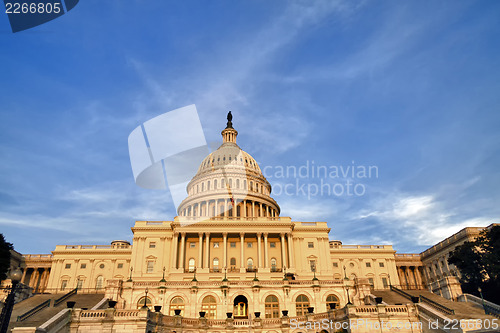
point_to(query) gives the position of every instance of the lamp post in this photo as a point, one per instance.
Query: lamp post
(15, 277)
(347, 288)
(130, 278)
(163, 277)
(482, 299)
(145, 300)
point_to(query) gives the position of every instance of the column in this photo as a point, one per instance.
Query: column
(266, 260)
(43, 280)
(283, 253)
(200, 250)
(24, 274)
(417, 277)
(224, 236)
(183, 243)
(400, 276)
(225, 208)
(34, 278)
(260, 209)
(267, 211)
(242, 247)
(253, 209)
(259, 250)
(207, 249)
(290, 250)
(244, 208)
(448, 271)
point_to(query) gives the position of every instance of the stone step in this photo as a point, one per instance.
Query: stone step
(82, 301)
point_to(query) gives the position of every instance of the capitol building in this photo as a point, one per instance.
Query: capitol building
(229, 262)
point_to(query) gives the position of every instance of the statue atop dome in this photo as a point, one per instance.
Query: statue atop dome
(229, 120)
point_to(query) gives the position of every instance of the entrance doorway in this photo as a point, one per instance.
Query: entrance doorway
(240, 310)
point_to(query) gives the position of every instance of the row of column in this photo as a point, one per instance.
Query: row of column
(437, 270)
(247, 209)
(287, 257)
(410, 277)
(37, 280)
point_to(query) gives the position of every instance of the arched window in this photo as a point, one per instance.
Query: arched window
(237, 183)
(232, 263)
(177, 303)
(209, 306)
(222, 183)
(273, 265)
(250, 263)
(301, 305)
(215, 184)
(215, 264)
(332, 302)
(208, 185)
(191, 264)
(272, 307)
(144, 301)
(99, 283)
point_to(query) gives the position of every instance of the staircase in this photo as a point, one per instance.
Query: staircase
(391, 297)
(40, 317)
(436, 309)
(463, 310)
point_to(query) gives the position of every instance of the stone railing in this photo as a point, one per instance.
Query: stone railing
(489, 307)
(263, 283)
(360, 247)
(411, 255)
(163, 322)
(37, 256)
(95, 247)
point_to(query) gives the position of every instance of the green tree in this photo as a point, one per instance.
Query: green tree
(5, 248)
(479, 264)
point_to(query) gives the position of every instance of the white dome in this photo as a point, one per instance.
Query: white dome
(229, 177)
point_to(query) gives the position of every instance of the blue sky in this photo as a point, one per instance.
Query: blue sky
(411, 87)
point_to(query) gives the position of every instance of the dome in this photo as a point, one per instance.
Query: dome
(229, 184)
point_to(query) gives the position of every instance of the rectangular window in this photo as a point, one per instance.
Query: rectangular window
(384, 282)
(370, 281)
(82, 266)
(152, 245)
(216, 245)
(232, 244)
(272, 244)
(68, 266)
(381, 264)
(192, 245)
(79, 284)
(312, 263)
(249, 245)
(335, 264)
(310, 245)
(120, 265)
(64, 283)
(368, 264)
(151, 266)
